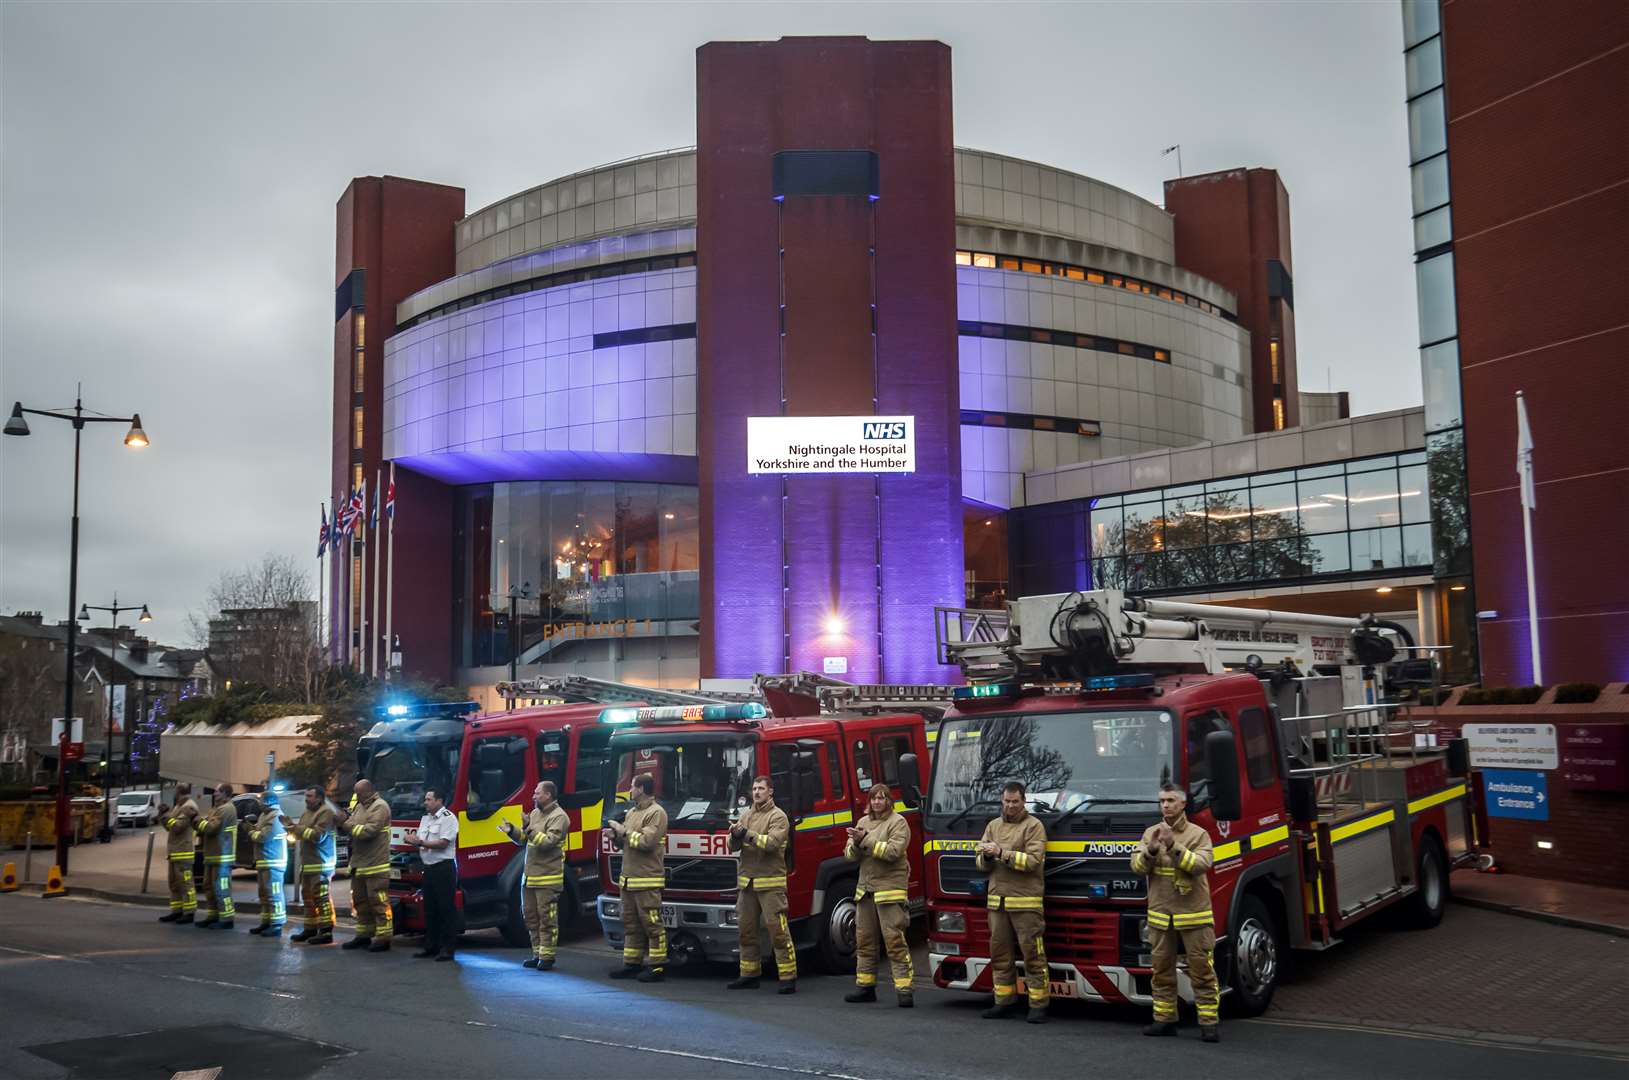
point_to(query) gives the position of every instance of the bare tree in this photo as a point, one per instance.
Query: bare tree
(260, 625)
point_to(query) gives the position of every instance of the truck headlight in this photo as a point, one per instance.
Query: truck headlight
(1142, 931)
(729, 917)
(612, 909)
(950, 922)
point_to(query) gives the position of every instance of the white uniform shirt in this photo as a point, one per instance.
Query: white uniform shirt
(442, 825)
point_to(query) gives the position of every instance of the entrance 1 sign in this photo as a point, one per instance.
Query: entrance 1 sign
(811, 445)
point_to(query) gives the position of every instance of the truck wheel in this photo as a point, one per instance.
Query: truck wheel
(835, 945)
(513, 927)
(1424, 909)
(1257, 960)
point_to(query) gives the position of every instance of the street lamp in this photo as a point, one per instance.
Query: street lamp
(113, 610)
(515, 597)
(135, 438)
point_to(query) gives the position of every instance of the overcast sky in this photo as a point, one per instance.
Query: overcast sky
(170, 173)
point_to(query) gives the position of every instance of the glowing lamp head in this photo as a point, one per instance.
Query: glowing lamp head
(396, 710)
(834, 625)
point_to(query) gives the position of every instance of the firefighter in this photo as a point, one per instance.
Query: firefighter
(544, 838)
(879, 845)
(1175, 855)
(219, 830)
(760, 836)
(642, 835)
(315, 831)
(178, 825)
(370, 869)
(1013, 852)
(437, 841)
(271, 866)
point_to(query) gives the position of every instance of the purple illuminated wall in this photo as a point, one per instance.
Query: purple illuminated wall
(783, 559)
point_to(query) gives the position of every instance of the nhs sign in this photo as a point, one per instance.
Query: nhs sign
(792, 445)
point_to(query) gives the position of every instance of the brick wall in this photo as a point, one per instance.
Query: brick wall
(1588, 830)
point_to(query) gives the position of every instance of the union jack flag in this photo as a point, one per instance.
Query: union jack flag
(322, 533)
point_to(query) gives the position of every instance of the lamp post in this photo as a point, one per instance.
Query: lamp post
(113, 610)
(515, 597)
(135, 438)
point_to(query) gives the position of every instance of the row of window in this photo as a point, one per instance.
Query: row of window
(1031, 422)
(644, 334)
(549, 281)
(988, 261)
(1066, 338)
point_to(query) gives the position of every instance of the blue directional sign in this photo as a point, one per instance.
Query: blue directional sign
(1516, 793)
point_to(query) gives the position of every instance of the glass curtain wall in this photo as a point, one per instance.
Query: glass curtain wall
(1343, 520)
(591, 558)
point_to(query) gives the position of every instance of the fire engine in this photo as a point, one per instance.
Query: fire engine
(486, 765)
(703, 759)
(1325, 804)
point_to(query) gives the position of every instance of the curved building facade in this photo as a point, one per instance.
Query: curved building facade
(561, 380)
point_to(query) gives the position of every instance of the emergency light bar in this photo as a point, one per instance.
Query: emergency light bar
(680, 714)
(420, 710)
(1099, 684)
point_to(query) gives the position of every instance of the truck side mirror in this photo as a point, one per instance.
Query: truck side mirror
(1222, 762)
(804, 782)
(910, 778)
(581, 800)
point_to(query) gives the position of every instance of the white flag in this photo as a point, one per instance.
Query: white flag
(1524, 454)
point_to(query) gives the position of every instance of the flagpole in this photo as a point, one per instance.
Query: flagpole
(390, 571)
(373, 636)
(1524, 472)
(322, 549)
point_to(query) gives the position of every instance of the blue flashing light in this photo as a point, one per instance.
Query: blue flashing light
(279, 787)
(985, 691)
(424, 710)
(397, 710)
(1140, 681)
(678, 714)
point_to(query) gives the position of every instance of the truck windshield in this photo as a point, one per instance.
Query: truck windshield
(697, 780)
(1069, 763)
(401, 769)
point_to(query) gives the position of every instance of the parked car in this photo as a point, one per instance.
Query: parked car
(136, 808)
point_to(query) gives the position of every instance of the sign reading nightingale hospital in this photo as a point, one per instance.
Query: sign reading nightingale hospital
(791, 445)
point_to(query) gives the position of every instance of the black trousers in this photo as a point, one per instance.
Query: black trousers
(441, 917)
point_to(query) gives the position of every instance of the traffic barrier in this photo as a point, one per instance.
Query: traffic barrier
(53, 883)
(8, 878)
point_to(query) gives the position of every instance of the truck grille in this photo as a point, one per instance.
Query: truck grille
(1081, 936)
(957, 874)
(687, 873)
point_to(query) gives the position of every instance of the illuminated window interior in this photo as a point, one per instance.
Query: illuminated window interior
(1278, 414)
(990, 261)
(356, 429)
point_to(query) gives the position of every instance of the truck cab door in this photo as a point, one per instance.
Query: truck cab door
(876, 752)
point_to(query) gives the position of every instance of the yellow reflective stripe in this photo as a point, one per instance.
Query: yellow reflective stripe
(1020, 861)
(643, 882)
(635, 838)
(1227, 850)
(179, 855)
(1445, 795)
(901, 808)
(879, 849)
(1187, 920)
(826, 821)
(538, 881)
(1271, 836)
(1165, 871)
(1358, 827)
(865, 978)
(308, 833)
(1016, 903)
(745, 882)
(1185, 860)
(885, 896)
(364, 871)
(763, 841)
(1159, 920)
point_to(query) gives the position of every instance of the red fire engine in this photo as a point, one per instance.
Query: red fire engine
(703, 759)
(486, 766)
(1325, 804)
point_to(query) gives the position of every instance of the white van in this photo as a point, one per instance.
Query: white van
(137, 808)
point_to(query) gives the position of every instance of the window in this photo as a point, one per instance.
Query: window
(1427, 126)
(1421, 19)
(1272, 361)
(358, 372)
(781, 755)
(1258, 748)
(984, 261)
(497, 769)
(1434, 284)
(890, 748)
(1199, 726)
(1423, 65)
(1433, 229)
(593, 753)
(356, 432)
(834, 770)
(1278, 414)
(964, 258)
(356, 477)
(361, 330)
(1429, 182)
(551, 759)
(1439, 368)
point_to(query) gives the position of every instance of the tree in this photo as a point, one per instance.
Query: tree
(260, 625)
(1215, 541)
(1450, 504)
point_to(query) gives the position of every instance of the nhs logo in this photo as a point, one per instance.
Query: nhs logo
(883, 429)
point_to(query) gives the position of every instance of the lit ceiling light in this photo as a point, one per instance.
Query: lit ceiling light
(989, 521)
(1456, 588)
(834, 624)
(1383, 590)
(668, 515)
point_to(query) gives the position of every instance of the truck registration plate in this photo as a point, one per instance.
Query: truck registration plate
(670, 916)
(395, 873)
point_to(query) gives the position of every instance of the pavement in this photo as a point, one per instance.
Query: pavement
(101, 989)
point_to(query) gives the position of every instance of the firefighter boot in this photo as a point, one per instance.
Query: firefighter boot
(187, 918)
(224, 924)
(1036, 1016)
(324, 938)
(745, 982)
(358, 942)
(1160, 1027)
(545, 964)
(261, 929)
(651, 975)
(861, 994)
(789, 986)
(304, 935)
(907, 1000)
(174, 916)
(1210, 1034)
(271, 931)
(1001, 1010)
(204, 924)
(380, 945)
(532, 963)
(626, 971)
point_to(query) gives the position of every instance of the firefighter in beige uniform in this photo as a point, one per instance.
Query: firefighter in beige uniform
(370, 869)
(178, 844)
(1013, 852)
(878, 843)
(219, 830)
(642, 836)
(1175, 854)
(760, 836)
(544, 838)
(317, 857)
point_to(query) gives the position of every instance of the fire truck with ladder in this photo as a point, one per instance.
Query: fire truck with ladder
(1325, 803)
(485, 766)
(703, 760)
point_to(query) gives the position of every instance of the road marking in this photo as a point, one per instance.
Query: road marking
(1603, 1054)
(156, 974)
(707, 1057)
(198, 1074)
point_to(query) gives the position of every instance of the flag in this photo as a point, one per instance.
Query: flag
(356, 508)
(390, 495)
(322, 533)
(1524, 454)
(373, 522)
